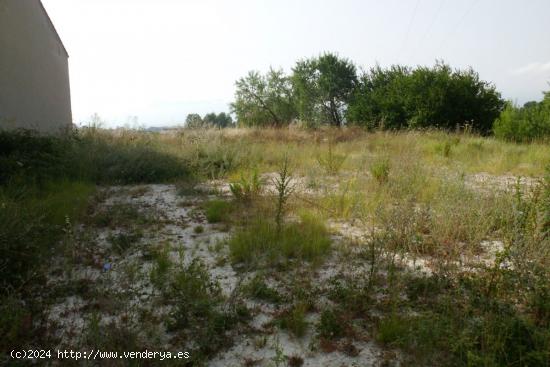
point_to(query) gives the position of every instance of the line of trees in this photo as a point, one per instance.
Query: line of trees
(329, 90)
(527, 123)
(221, 120)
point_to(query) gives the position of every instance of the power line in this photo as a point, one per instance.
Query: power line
(453, 30)
(409, 29)
(429, 29)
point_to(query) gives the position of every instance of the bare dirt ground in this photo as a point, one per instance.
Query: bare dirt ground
(114, 289)
(110, 286)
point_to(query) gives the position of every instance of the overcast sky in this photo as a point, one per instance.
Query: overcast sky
(162, 59)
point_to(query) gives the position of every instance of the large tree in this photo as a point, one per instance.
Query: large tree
(380, 99)
(193, 121)
(221, 120)
(435, 96)
(323, 88)
(264, 100)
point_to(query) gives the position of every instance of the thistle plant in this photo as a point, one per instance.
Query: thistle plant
(285, 188)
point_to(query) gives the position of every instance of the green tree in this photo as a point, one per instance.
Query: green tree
(224, 120)
(221, 120)
(323, 87)
(425, 97)
(523, 124)
(193, 121)
(380, 99)
(264, 100)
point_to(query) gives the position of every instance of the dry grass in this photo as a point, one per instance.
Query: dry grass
(408, 196)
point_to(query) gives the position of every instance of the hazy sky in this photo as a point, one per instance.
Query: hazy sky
(162, 59)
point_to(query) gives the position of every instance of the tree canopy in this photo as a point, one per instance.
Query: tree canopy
(323, 88)
(424, 97)
(221, 120)
(327, 90)
(262, 100)
(527, 123)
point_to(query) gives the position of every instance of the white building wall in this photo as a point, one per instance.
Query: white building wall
(34, 70)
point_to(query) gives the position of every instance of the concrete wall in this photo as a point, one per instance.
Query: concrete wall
(34, 70)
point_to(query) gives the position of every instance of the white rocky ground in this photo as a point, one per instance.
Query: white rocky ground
(116, 288)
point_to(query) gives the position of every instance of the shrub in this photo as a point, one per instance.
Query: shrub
(33, 158)
(446, 147)
(248, 188)
(523, 124)
(285, 188)
(33, 221)
(102, 158)
(88, 155)
(392, 331)
(330, 326)
(215, 159)
(402, 97)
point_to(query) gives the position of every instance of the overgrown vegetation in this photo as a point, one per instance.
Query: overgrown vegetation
(401, 97)
(523, 124)
(46, 184)
(328, 90)
(263, 241)
(218, 211)
(429, 242)
(199, 311)
(210, 120)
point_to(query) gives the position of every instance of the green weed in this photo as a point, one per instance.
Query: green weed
(258, 289)
(248, 188)
(331, 162)
(162, 265)
(330, 325)
(380, 170)
(121, 242)
(200, 311)
(262, 241)
(218, 211)
(294, 320)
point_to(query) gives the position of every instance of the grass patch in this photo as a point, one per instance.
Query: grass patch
(121, 242)
(307, 240)
(330, 325)
(257, 289)
(33, 221)
(162, 264)
(380, 170)
(120, 215)
(217, 211)
(294, 320)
